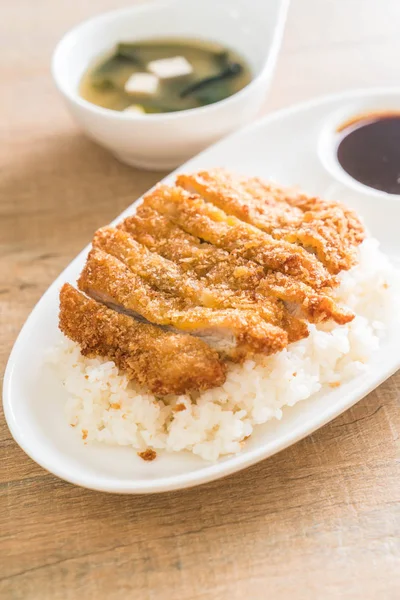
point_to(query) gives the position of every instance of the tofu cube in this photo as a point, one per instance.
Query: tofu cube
(135, 109)
(168, 68)
(142, 83)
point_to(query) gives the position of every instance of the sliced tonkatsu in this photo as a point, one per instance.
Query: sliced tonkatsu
(167, 277)
(234, 333)
(215, 268)
(158, 233)
(334, 214)
(330, 230)
(208, 222)
(230, 274)
(158, 271)
(145, 352)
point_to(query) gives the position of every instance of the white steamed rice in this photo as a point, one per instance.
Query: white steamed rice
(104, 406)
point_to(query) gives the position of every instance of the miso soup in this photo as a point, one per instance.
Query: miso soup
(160, 76)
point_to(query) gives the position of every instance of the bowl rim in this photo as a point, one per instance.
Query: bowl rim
(74, 97)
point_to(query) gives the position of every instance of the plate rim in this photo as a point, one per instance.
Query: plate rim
(221, 468)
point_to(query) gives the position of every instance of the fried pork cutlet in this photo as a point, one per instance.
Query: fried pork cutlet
(231, 275)
(237, 263)
(234, 333)
(146, 352)
(221, 267)
(164, 275)
(328, 229)
(206, 221)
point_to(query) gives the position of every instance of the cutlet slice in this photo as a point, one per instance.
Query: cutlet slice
(206, 221)
(234, 333)
(334, 224)
(214, 269)
(344, 220)
(332, 230)
(159, 272)
(229, 193)
(165, 362)
(159, 234)
(164, 275)
(221, 270)
(323, 228)
(315, 306)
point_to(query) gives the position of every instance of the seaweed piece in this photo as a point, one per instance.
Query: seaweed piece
(231, 70)
(222, 58)
(210, 94)
(110, 65)
(103, 76)
(130, 52)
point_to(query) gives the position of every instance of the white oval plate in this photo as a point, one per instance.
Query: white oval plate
(284, 146)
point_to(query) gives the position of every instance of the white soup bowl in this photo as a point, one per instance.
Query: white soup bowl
(253, 28)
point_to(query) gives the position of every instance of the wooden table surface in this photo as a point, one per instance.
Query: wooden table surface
(319, 520)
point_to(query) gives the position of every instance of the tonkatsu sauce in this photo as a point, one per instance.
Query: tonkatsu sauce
(369, 150)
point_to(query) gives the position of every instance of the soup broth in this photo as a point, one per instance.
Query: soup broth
(159, 76)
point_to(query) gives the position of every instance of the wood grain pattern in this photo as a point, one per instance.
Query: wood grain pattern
(319, 520)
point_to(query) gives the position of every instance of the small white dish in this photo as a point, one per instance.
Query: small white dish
(282, 146)
(162, 141)
(331, 135)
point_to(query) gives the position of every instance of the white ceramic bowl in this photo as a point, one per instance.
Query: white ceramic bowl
(162, 141)
(331, 136)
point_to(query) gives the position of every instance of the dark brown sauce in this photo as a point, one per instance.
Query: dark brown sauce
(369, 150)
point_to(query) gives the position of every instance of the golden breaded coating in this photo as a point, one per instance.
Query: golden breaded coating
(166, 363)
(331, 230)
(153, 268)
(222, 271)
(316, 306)
(164, 275)
(235, 333)
(214, 269)
(158, 233)
(335, 215)
(206, 221)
